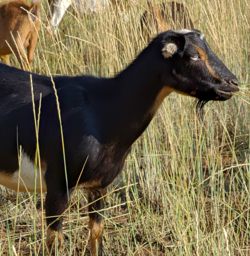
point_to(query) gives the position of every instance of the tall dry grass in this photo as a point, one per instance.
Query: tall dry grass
(185, 185)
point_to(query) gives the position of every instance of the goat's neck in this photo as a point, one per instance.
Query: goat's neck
(142, 92)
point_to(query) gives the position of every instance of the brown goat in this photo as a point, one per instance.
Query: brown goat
(160, 17)
(19, 26)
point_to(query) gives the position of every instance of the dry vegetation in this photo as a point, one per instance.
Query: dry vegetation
(186, 185)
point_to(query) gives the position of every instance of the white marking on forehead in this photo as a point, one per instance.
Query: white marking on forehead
(183, 31)
(27, 178)
(186, 31)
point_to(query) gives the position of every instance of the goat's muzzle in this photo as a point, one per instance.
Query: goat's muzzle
(223, 91)
(226, 89)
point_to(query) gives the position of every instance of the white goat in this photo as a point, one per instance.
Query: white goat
(59, 7)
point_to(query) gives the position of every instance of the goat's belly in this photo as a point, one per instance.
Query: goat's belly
(27, 178)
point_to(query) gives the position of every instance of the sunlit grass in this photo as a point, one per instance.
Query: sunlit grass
(185, 185)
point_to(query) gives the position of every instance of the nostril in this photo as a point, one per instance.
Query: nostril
(234, 81)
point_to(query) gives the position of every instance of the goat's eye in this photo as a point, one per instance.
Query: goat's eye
(195, 57)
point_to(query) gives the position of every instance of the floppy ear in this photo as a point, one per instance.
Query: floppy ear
(172, 45)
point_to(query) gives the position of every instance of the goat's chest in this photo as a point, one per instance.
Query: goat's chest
(103, 164)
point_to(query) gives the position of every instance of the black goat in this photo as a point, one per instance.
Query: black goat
(101, 119)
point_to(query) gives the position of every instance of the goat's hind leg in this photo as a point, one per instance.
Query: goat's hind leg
(31, 47)
(96, 202)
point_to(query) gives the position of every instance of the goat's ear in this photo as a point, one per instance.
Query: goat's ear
(169, 50)
(173, 45)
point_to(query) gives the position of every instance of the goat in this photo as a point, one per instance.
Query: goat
(59, 7)
(157, 14)
(19, 26)
(164, 16)
(101, 119)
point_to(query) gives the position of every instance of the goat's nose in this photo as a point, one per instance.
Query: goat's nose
(232, 84)
(233, 81)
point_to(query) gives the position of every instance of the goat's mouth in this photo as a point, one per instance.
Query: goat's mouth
(206, 90)
(225, 91)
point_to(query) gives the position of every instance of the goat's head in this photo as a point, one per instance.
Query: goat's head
(194, 69)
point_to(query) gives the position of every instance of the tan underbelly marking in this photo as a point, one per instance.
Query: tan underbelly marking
(27, 178)
(90, 184)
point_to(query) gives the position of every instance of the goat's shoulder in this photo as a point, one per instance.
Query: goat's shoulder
(102, 159)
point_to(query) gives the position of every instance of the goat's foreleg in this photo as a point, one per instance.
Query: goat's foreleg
(96, 201)
(55, 204)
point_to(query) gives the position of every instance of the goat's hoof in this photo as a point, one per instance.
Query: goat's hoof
(55, 239)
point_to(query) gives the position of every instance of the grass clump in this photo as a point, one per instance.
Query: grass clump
(185, 185)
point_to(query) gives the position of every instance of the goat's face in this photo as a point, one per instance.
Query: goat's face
(195, 70)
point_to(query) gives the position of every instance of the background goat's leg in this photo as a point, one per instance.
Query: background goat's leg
(31, 47)
(20, 52)
(96, 221)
